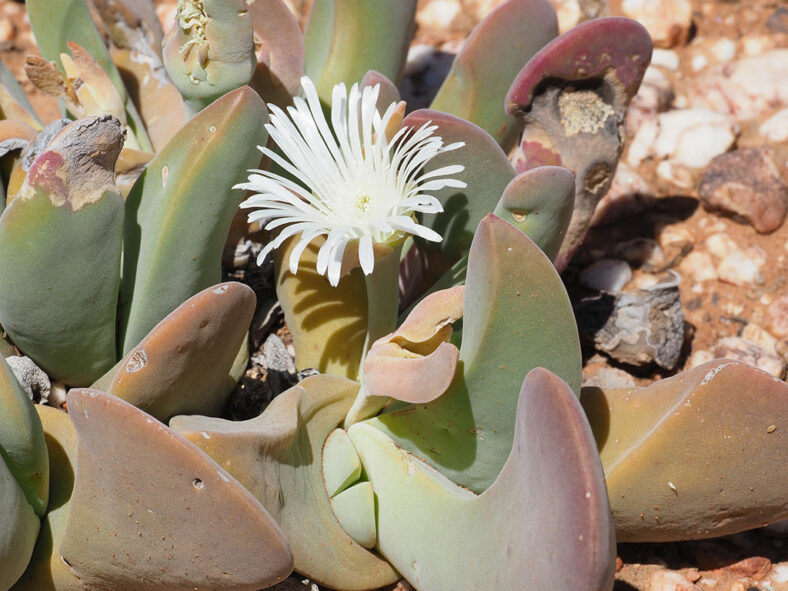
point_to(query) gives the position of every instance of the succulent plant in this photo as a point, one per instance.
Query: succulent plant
(416, 258)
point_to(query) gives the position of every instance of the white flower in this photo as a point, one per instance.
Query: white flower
(355, 185)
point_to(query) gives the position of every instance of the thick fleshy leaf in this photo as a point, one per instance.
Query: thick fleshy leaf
(389, 93)
(135, 47)
(183, 366)
(543, 524)
(280, 46)
(328, 323)
(6, 347)
(516, 316)
(58, 299)
(487, 172)
(47, 571)
(179, 212)
(341, 466)
(355, 510)
(573, 96)
(179, 521)
(278, 457)
(22, 444)
(14, 103)
(56, 22)
(209, 50)
(490, 59)
(346, 38)
(415, 363)
(698, 455)
(19, 527)
(539, 203)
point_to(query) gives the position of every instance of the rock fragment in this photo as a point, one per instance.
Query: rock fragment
(747, 88)
(606, 275)
(640, 327)
(33, 379)
(747, 352)
(667, 21)
(747, 185)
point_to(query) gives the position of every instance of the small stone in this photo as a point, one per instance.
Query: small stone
(724, 50)
(33, 379)
(747, 185)
(438, 14)
(743, 350)
(7, 30)
(629, 195)
(674, 236)
(638, 328)
(279, 364)
(698, 267)
(57, 394)
(757, 45)
(760, 337)
(747, 88)
(677, 174)
(688, 137)
(778, 21)
(699, 357)
(276, 357)
(693, 137)
(654, 96)
(778, 316)
(720, 245)
(667, 21)
(738, 268)
(607, 377)
(780, 573)
(775, 128)
(644, 281)
(642, 145)
(753, 567)
(569, 13)
(667, 580)
(699, 61)
(665, 58)
(606, 275)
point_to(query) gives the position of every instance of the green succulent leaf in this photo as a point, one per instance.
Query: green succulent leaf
(538, 202)
(341, 466)
(183, 366)
(209, 50)
(543, 524)
(22, 444)
(179, 211)
(346, 38)
(278, 457)
(58, 299)
(328, 323)
(148, 497)
(491, 57)
(694, 456)
(10, 89)
(516, 316)
(280, 62)
(19, 527)
(46, 570)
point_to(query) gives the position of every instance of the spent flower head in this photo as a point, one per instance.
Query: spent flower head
(356, 186)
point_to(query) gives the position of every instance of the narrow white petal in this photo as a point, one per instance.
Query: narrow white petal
(366, 255)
